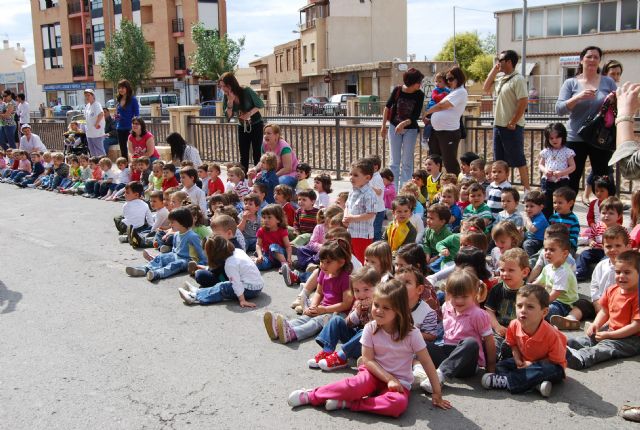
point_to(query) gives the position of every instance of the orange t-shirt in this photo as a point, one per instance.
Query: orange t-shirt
(546, 343)
(623, 308)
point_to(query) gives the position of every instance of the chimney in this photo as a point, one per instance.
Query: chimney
(5, 44)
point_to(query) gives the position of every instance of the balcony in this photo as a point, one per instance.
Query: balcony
(78, 8)
(259, 85)
(79, 74)
(178, 27)
(77, 42)
(180, 65)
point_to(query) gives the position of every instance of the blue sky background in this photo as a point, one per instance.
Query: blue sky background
(268, 23)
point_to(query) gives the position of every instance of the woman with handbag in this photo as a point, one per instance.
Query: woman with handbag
(403, 111)
(446, 121)
(582, 97)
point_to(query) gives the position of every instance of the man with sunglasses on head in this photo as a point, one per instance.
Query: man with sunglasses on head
(511, 96)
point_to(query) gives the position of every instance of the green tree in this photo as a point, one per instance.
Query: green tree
(127, 56)
(480, 67)
(214, 54)
(468, 47)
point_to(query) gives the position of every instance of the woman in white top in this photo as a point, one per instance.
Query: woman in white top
(445, 120)
(94, 118)
(180, 151)
(30, 142)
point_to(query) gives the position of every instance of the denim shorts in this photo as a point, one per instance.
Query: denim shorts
(508, 145)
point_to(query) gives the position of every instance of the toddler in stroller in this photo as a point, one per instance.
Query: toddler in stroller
(75, 139)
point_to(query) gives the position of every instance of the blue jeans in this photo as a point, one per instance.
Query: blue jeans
(402, 147)
(377, 225)
(269, 260)
(108, 141)
(585, 260)
(18, 175)
(222, 291)
(66, 182)
(336, 330)
(165, 265)
(90, 187)
(55, 183)
(7, 136)
(250, 244)
(557, 308)
(207, 278)
(522, 380)
(288, 180)
(532, 246)
(159, 235)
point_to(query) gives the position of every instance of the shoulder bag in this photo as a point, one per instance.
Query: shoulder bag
(599, 131)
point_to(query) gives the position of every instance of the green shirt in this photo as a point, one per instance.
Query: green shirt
(432, 237)
(203, 231)
(508, 90)
(452, 243)
(560, 279)
(481, 211)
(250, 100)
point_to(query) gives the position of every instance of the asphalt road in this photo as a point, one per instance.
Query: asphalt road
(84, 346)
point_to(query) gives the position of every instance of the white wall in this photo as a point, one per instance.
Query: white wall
(353, 8)
(34, 92)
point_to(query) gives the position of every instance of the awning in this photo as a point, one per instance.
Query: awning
(529, 67)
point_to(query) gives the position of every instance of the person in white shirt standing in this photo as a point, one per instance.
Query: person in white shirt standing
(22, 110)
(95, 122)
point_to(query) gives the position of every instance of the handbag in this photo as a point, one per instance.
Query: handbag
(599, 131)
(463, 128)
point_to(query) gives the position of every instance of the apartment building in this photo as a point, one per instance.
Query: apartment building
(71, 36)
(557, 33)
(12, 60)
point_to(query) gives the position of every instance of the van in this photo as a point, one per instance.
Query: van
(164, 100)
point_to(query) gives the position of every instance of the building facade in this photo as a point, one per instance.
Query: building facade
(557, 33)
(12, 61)
(71, 35)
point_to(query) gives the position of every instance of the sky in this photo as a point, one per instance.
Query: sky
(265, 24)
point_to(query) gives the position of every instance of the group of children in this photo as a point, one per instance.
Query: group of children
(420, 286)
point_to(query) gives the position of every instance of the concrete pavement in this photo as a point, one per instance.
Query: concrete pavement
(82, 345)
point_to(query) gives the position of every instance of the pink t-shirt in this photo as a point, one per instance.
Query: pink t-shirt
(394, 356)
(333, 287)
(474, 322)
(25, 166)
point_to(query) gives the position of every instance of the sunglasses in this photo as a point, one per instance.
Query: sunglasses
(451, 79)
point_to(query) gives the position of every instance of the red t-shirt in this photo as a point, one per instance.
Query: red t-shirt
(270, 237)
(136, 175)
(140, 145)
(290, 212)
(623, 308)
(216, 185)
(168, 183)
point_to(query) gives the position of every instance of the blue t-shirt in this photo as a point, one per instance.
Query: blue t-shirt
(127, 113)
(457, 214)
(270, 179)
(540, 223)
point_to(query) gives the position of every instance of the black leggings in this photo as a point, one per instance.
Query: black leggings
(599, 162)
(445, 143)
(123, 138)
(250, 140)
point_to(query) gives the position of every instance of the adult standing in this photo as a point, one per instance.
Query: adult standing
(246, 104)
(181, 151)
(627, 153)
(581, 97)
(110, 131)
(30, 142)
(402, 111)
(126, 109)
(511, 97)
(94, 117)
(141, 142)
(445, 120)
(23, 110)
(287, 160)
(7, 120)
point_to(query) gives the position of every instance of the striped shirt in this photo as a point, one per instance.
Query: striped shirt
(595, 234)
(425, 319)
(305, 220)
(572, 223)
(494, 194)
(241, 189)
(361, 201)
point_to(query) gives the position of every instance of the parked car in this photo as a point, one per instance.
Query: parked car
(111, 103)
(208, 108)
(314, 105)
(164, 100)
(338, 104)
(61, 110)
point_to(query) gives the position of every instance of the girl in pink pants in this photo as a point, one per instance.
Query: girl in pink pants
(383, 382)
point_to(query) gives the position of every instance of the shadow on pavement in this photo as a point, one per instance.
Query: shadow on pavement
(10, 297)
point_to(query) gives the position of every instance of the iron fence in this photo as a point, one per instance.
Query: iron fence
(51, 133)
(159, 126)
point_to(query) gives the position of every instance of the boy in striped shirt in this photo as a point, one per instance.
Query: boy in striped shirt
(306, 217)
(500, 176)
(563, 201)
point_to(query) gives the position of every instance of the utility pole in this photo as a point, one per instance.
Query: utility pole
(524, 38)
(454, 35)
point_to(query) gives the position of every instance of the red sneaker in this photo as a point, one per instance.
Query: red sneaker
(313, 362)
(332, 362)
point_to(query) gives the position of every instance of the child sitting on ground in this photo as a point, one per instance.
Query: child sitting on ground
(420, 178)
(306, 217)
(186, 246)
(477, 207)
(303, 171)
(400, 230)
(322, 187)
(614, 332)
(563, 200)
(189, 176)
(272, 247)
(245, 282)
(215, 185)
(604, 187)
(449, 196)
(477, 171)
(60, 171)
(236, 182)
(538, 348)
(506, 236)
(500, 181)
(535, 223)
(610, 212)
(434, 167)
(169, 179)
(155, 178)
(250, 222)
(268, 175)
(463, 198)
(465, 165)
(332, 296)
(200, 222)
(509, 199)
(135, 212)
(341, 199)
(383, 382)
(144, 239)
(438, 216)
(282, 196)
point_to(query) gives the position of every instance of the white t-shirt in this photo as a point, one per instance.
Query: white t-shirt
(449, 119)
(160, 219)
(23, 112)
(242, 272)
(322, 201)
(604, 276)
(91, 113)
(125, 176)
(136, 213)
(557, 159)
(377, 184)
(33, 144)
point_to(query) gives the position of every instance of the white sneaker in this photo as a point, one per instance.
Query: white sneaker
(151, 276)
(298, 398)
(188, 286)
(545, 388)
(334, 405)
(135, 272)
(123, 238)
(426, 384)
(187, 296)
(419, 376)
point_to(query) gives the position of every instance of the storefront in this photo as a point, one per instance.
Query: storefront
(70, 94)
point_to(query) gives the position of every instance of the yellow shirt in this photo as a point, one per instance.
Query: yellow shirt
(433, 186)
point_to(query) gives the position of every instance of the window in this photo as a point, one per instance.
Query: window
(570, 20)
(313, 52)
(96, 9)
(304, 54)
(589, 18)
(295, 58)
(288, 53)
(47, 4)
(98, 37)
(608, 12)
(117, 7)
(517, 26)
(96, 4)
(629, 15)
(554, 22)
(536, 21)
(51, 46)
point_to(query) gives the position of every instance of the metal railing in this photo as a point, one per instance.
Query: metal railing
(76, 39)
(542, 106)
(78, 71)
(51, 132)
(159, 127)
(77, 7)
(178, 25)
(179, 63)
(369, 109)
